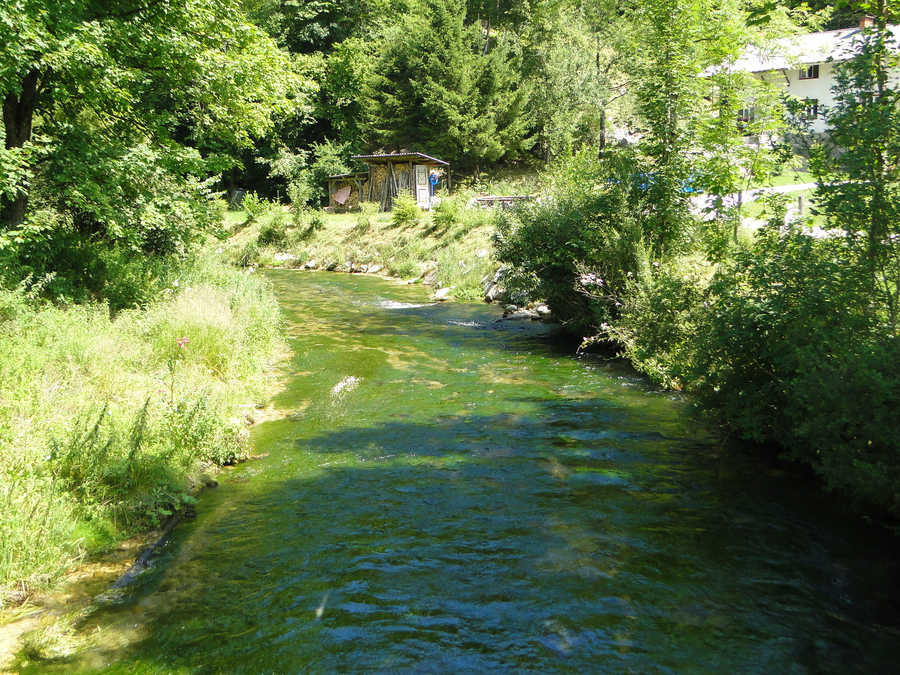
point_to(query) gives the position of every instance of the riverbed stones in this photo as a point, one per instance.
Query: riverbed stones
(520, 315)
(374, 269)
(494, 286)
(443, 294)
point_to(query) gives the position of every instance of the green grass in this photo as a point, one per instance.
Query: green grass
(756, 209)
(788, 177)
(106, 423)
(453, 241)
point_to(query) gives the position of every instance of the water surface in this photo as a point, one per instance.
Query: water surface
(451, 494)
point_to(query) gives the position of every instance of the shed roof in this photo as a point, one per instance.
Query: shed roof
(422, 158)
(830, 45)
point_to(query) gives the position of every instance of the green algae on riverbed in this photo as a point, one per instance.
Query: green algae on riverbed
(449, 493)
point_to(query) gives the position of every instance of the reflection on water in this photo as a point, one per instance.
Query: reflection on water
(454, 494)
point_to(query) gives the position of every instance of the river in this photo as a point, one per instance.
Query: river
(449, 493)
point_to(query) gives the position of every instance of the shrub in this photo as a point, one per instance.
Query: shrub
(255, 206)
(273, 232)
(248, 255)
(367, 211)
(788, 304)
(578, 249)
(662, 315)
(316, 221)
(55, 262)
(405, 211)
(447, 213)
(846, 422)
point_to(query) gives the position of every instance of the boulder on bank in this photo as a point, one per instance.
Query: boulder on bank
(443, 294)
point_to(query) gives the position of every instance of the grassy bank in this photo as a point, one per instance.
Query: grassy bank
(447, 247)
(107, 423)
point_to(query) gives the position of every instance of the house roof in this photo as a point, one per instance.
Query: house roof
(831, 45)
(389, 156)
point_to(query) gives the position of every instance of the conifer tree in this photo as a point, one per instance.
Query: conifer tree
(434, 89)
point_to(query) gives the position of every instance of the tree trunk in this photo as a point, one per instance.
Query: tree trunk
(18, 115)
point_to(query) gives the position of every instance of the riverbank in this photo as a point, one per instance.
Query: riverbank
(110, 424)
(448, 248)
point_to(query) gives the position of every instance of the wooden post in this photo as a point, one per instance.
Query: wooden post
(393, 182)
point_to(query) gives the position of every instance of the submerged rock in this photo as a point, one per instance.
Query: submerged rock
(521, 314)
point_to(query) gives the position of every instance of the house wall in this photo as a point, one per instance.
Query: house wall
(818, 88)
(386, 186)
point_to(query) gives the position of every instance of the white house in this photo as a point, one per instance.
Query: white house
(804, 65)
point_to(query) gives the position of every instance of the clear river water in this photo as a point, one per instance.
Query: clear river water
(450, 493)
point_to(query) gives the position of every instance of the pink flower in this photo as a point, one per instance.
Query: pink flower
(182, 341)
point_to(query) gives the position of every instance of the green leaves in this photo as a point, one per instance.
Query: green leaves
(856, 166)
(115, 116)
(435, 88)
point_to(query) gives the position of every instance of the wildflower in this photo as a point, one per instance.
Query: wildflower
(182, 342)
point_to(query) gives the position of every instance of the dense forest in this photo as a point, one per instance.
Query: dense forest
(128, 127)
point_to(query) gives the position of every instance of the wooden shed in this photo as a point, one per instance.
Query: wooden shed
(345, 189)
(394, 173)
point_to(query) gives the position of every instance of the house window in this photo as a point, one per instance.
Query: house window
(811, 108)
(810, 72)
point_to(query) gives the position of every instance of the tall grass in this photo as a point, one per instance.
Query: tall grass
(107, 421)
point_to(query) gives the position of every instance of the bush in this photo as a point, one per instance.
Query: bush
(405, 211)
(448, 212)
(316, 221)
(662, 315)
(579, 249)
(785, 346)
(273, 233)
(789, 304)
(248, 255)
(367, 211)
(54, 262)
(255, 206)
(789, 349)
